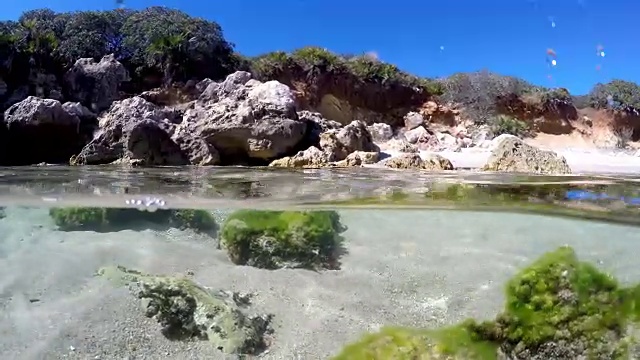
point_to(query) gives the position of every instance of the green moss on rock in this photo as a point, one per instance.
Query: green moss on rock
(114, 219)
(563, 308)
(276, 239)
(397, 343)
(557, 308)
(186, 310)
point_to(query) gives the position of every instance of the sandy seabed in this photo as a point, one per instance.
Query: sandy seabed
(415, 268)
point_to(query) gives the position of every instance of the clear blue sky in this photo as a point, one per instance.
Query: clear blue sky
(506, 36)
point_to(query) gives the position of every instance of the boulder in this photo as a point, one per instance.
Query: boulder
(41, 130)
(339, 143)
(95, 84)
(511, 154)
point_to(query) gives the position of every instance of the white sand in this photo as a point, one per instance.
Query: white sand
(403, 267)
(580, 161)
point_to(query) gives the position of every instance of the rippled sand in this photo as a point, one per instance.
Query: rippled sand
(421, 268)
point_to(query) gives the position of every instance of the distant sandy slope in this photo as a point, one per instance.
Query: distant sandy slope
(404, 267)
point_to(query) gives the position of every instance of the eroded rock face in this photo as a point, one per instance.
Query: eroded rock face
(514, 155)
(256, 122)
(95, 84)
(238, 121)
(135, 131)
(186, 310)
(339, 143)
(43, 130)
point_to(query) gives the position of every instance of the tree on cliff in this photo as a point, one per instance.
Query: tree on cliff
(478, 92)
(50, 42)
(617, 95)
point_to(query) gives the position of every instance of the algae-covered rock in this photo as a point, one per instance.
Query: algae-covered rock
(114, 219)
(563, 308)
(277, 239)
(558, 308)
(396, 343)
(186, 310)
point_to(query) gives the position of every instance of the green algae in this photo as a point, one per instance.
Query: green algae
(562, 300)
(186, 310)
(399, 343)
(114, 219)
(275, 239)
(556, 308)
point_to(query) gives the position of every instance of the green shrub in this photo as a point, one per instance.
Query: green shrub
(317, 60)
(616, 95)
(504, 124)
(276, 239)
(114, 219)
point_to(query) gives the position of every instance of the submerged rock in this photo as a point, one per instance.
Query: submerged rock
(278, 239)
(397, 343)
(114, 219)
(186, 310)
(557, 308)
(563, 308)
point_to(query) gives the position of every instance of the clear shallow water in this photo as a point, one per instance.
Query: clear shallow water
(417, 250)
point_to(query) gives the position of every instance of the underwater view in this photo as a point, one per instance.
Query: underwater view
(248, 262)
(319, 180)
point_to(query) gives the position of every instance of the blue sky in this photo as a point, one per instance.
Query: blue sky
(506, 36)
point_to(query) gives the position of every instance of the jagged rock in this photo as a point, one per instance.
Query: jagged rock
(380, 132)
(316, 125)
(310, 158)
(231, 87)
(512, 154)
(254, 121)
(133, 130)
(433, 162)
(339, 143)
(241, 121)
(400, 145)
(417, 134)
(186, 311)
(412, 120)
(96, 84)
(41, 130)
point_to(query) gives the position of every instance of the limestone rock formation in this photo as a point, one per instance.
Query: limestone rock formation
(514, 155)
(339, 143)
(433, 162)
(43, 130)
(96, 84)
(240, 120)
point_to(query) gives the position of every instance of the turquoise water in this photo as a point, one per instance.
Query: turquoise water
(364, 249)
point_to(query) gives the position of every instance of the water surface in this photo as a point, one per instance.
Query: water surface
(421, 250)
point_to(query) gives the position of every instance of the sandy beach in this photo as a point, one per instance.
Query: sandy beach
(419, 268)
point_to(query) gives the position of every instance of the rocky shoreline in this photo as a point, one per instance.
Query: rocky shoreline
(67, 99)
